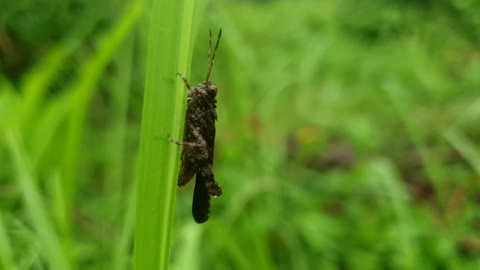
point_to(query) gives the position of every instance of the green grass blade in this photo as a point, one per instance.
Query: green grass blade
(116, 159)
(6, 253)
(56, 256)
(36, 83)
(121, 250)
(169, 51)
(120, 89)
(465, 147)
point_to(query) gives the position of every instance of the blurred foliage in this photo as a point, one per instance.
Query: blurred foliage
(347, 135)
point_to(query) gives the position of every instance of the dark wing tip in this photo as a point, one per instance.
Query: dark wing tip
(200, 217)
(201, 201)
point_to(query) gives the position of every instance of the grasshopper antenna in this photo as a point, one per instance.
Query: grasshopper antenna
(209, 49)
(210, 62)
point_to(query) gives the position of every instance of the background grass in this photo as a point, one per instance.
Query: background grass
(347, 135)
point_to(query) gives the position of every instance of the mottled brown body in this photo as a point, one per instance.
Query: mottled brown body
(199, 142)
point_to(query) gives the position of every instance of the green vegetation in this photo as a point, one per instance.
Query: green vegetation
(347, 134)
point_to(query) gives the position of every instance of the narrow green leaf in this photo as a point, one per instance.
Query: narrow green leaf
(55, 253)
(169, 52)
(6, 253)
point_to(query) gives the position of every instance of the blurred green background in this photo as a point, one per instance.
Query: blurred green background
(347, 137)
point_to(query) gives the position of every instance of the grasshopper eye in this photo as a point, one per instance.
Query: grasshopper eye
(212, 88)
